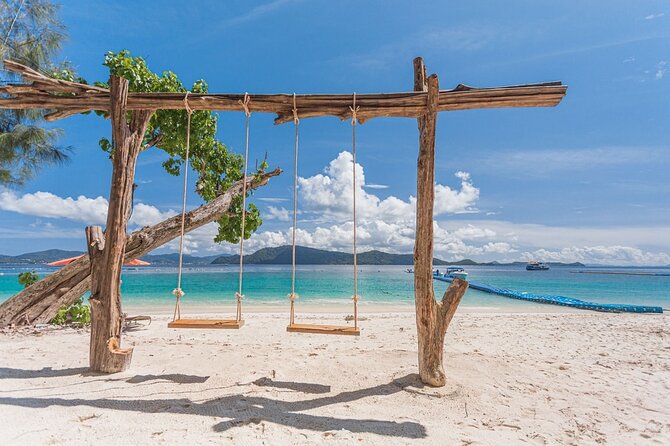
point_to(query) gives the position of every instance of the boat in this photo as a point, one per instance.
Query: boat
(409, 270)
(537, 266)
(452, 272)
(457, 272)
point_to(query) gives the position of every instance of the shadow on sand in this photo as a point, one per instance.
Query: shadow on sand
(242, 409)
(46, 372)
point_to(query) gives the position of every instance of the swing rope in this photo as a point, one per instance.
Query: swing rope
(293, 296)
(296, 120)
(354, 111)
(178, 293)
(238, 295)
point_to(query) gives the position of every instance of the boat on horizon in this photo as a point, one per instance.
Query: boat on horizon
(537, 266)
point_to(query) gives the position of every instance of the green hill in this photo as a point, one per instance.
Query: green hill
(50, 255)
(282, 255)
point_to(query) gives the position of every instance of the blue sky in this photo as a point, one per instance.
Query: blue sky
(584, 181)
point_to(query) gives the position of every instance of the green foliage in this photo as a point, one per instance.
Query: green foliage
(34, 40)
(76, 314)
(28, 278)
(216, 167)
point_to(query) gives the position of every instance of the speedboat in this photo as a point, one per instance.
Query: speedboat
(537, 266)
(457, 272)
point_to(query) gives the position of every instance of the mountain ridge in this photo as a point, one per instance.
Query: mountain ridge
(280, 255)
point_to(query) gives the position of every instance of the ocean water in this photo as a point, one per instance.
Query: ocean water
(264, 284)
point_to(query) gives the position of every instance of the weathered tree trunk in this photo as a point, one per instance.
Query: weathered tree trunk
(106, 250)
(106, 354)
(40, 302)
(432, 318)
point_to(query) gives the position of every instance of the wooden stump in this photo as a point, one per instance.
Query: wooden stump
(432, 318)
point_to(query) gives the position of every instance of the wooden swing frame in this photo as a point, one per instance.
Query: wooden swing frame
(106, 251)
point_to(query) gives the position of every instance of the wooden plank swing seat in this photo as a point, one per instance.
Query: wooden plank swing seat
(324, 329)
(207, 323)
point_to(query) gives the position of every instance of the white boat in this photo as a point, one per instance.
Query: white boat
(537, 266)
(457, 272)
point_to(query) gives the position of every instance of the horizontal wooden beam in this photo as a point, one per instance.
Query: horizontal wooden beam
(68, 98)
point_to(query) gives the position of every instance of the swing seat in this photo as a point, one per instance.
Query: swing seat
(207, 323)
(324, 329)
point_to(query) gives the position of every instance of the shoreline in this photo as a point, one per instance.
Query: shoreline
(205, 309)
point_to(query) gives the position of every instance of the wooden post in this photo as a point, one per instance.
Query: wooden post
(432, 318)
(106, 250)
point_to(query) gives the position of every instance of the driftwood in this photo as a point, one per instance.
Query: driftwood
(432, 318)
(40, 302)
(47, 93)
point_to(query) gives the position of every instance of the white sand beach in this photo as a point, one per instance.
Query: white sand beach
(554, 378)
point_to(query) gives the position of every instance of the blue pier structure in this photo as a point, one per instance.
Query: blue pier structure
(558, 300)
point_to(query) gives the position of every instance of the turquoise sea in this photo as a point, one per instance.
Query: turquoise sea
(216, 285)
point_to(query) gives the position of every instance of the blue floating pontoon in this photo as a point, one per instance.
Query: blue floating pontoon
(559, 300)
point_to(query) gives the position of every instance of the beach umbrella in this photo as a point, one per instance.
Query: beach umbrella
(63, 262)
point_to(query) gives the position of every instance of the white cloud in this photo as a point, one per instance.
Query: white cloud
(274, 213)
(48, 205)
(376, 186)
(471, 232)
(608, 255)
(661, 69)
(654, 16)
(147, 215)
(537, 236)
(90, 211)
(272, 199)
(387, 224)
(460, 201)
(331, 195)
(259, 11)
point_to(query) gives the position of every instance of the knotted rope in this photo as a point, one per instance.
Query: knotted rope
(296, 120)
(178, 292)
(354, 118)
(238, 295)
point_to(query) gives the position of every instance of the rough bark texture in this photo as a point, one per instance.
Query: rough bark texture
(106, 354)
(40, 94)
(39, 303)
(432, 318)
(106, 251)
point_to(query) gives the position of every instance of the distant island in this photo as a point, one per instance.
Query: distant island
(280, 255)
